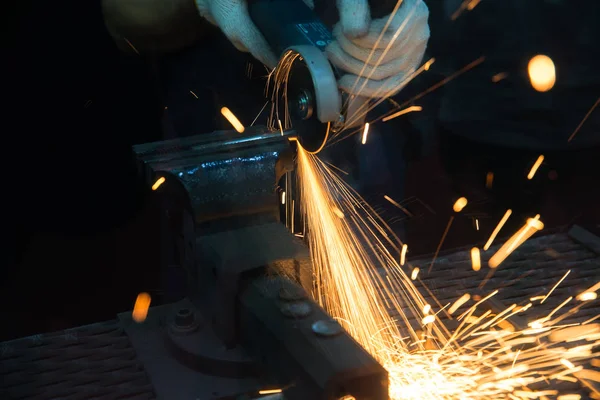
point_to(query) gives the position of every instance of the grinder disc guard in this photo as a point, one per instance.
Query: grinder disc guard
(313, 98)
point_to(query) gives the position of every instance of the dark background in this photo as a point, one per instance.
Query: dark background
(82, 232)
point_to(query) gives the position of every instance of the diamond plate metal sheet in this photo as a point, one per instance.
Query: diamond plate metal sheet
(531, 270)
(90, 362)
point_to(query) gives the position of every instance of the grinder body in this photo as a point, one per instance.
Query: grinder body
(311, 95)
(288, 23)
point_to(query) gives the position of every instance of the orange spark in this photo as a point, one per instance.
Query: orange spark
(404, 210)
(402, 112)
(587, 296)
(542, 73)
(497, 229)
(498, 77)
(338, 212)
(535, 167)
(489, 180)
(415, 273)
(475, 259)
(237, 125)
(462, 300)
(269, 391)
(403, 254)
(459, 204)
(140, 308)
(584, 119)
(532, 226)
(158, 182)
(555, 286)
(365, 133)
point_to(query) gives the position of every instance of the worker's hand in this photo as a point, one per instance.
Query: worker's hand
(232, 17)
(378, 67)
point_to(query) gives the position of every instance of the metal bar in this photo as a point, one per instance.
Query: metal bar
(303, 349)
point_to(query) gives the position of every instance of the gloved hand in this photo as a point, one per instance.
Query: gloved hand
(382, 73)
(232, 17)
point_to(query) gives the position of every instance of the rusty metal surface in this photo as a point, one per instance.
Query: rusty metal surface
(90, 362)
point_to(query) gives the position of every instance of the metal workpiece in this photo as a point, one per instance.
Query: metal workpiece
(327, 328)
(329, 365)
(226, 174)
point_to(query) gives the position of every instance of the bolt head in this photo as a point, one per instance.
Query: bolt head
(184, 318)
(327, 328)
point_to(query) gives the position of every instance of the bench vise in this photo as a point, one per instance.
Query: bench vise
(244, 312)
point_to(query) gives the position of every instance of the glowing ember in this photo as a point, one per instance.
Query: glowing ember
(415, 273)
(158, 182)
(403, 254)
(365, 133)
(475, 259)
(269, 391)
(460, 204)
(140, 308)
(237, 125)
(535, 167)
(542, 73)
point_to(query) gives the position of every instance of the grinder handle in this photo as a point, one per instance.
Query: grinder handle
(286, 23)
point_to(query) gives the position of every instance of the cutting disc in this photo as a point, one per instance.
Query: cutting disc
(313, 97)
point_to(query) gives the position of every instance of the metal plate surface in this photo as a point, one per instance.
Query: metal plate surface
(531, 270)
(90, 362)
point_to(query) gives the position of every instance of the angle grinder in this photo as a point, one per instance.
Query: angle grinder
(314, 104)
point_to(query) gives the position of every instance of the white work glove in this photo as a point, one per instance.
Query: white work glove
(356, 36)
(232, 17)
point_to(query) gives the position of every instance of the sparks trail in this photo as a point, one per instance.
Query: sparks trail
(402, 108)
(584, 119)
(277, 87)
(233, 120)
(360, 282)
(468, 5)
